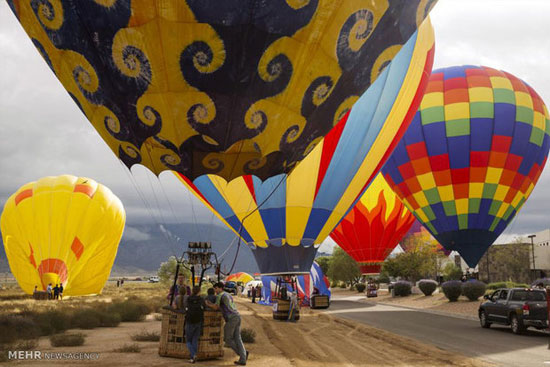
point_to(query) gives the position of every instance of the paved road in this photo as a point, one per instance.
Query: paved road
(497, 344)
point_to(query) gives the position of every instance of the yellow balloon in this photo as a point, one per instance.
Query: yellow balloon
(62, 229)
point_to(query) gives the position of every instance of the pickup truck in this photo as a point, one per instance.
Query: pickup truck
(518, 307)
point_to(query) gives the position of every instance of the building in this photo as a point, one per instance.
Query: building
(541, 249)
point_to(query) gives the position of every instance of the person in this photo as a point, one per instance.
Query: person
(122, 282)
(56, 292)
(232, 328)
(49, 290)
(253, 294)
(540, 285)
(60, 290)
(35, 289)
(315, 291)
(259, 292)
(118, 283)
(211, 295)
(194, 317)
(293, 307)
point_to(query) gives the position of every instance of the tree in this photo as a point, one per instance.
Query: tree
(343, 268)
(514, 258)
(167, 270)
(324, 263)
(423, 259)
(452, 272)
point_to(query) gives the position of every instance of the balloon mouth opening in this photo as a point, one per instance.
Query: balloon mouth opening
(52, 271)
(279, 242)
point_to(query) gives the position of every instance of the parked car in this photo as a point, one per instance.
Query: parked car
(518, 307)
(230, 287)
(154, 279)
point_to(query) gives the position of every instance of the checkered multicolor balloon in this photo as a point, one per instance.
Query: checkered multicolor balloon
(471, 156)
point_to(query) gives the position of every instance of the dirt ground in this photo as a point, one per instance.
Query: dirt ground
(435, 302)
(316, 340)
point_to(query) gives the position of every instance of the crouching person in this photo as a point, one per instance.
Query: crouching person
(232, 328)
(194, 317)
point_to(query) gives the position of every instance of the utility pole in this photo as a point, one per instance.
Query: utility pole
(533, 255)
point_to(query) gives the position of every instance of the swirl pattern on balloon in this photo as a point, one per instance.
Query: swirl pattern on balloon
(203, 72)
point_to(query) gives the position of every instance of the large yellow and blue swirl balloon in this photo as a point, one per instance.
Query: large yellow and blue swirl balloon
(285, 218)
(225, 87)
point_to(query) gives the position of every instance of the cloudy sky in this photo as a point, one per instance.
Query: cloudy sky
(44, 133)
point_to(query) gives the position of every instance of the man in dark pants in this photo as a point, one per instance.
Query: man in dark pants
(194, 317)
(232, 328)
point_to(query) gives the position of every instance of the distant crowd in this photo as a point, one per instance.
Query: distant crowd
(52, 292)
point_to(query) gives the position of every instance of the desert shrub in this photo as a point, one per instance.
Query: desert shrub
(128, 348)
(248, 335)
(427, 286)
(29, 344)
(452, 289)
(51, 321)
(360, 287)
(334, 284)
(15, 327)
(107, 319)
(158, 316)
(86, 319)
(130, 310)
(402, 288)
(146, 336)
(67, 340)
(342, 285)
(473, 289)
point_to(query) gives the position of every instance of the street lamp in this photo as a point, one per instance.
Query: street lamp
(533, 253)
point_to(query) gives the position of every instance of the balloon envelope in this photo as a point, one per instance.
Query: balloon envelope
(286, 217)
(240, 277)
(373, 227)
(62, 229)
(226, 87)
(471, 156)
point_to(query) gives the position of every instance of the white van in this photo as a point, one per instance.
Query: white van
(154, 279)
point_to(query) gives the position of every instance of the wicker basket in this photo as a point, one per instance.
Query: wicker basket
(172, 336)
(40, 295)
(281, 308)
(320, 301)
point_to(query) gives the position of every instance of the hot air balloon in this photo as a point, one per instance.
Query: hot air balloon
(239, 277)
(471, 156)
(374, 226)
(285, 218)
(217, 87)
(62, 229)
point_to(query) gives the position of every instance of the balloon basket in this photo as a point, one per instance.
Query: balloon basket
(40, 295)
(319, 302)
(281, 308)
(172, 336)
